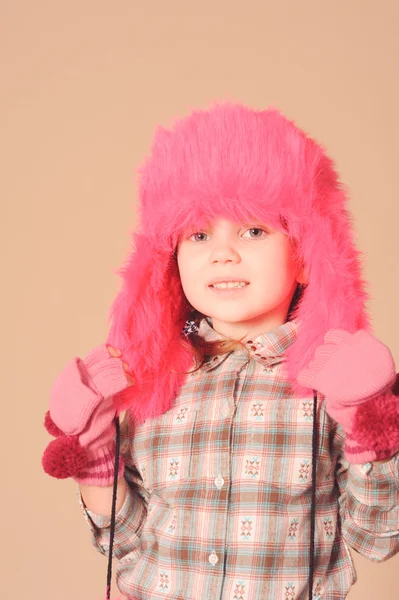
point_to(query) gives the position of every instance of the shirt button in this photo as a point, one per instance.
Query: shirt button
(226, 410)
(219, 481)
(213, 558)
(366, 467)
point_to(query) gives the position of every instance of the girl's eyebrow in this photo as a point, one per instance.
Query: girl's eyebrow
(253, 223)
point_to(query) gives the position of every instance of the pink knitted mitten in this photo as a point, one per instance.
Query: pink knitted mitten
(356, 374)
(81, 416)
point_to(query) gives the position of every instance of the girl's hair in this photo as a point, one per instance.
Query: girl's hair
(203, 350)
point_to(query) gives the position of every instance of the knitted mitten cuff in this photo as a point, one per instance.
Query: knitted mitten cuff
(100, 467)
(357, 454)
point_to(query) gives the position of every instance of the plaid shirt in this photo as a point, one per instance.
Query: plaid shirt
(219, 490)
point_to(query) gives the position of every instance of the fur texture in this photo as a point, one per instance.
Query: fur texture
(235, 162)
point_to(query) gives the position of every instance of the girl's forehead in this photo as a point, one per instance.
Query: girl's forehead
(219, 221)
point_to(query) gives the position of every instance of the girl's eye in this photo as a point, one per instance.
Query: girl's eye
(251, 229)
(197, 233)
(257, 229)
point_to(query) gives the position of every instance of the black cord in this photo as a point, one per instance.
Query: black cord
(113, 510)
(313, 506)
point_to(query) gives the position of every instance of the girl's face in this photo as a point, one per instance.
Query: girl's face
(258, 254)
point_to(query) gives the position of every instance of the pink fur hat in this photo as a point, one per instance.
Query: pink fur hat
(235, 162)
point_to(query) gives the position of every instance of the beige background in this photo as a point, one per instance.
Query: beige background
(83, 86)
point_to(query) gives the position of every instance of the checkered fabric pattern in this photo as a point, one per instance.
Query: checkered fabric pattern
(219, 494)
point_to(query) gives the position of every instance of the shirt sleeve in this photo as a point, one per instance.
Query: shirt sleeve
(130, 518)
(129, 521)
(368, 503)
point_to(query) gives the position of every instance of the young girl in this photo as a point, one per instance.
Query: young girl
(261, 432)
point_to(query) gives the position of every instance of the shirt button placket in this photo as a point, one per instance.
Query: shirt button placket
(213, 558)
(225, 410)
(219, 481)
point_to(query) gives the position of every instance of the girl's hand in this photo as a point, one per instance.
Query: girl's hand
(116, 353)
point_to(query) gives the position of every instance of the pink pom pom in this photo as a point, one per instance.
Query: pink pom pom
(64, 457)
(51, 426)
(376, 423)
(395, 389)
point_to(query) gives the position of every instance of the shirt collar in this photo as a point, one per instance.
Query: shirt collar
(267, 348)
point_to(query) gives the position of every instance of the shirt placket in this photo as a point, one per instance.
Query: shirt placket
(222, 481)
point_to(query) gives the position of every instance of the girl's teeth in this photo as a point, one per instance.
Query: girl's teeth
(233, 284)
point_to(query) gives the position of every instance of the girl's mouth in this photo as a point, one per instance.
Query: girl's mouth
(227, 292)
